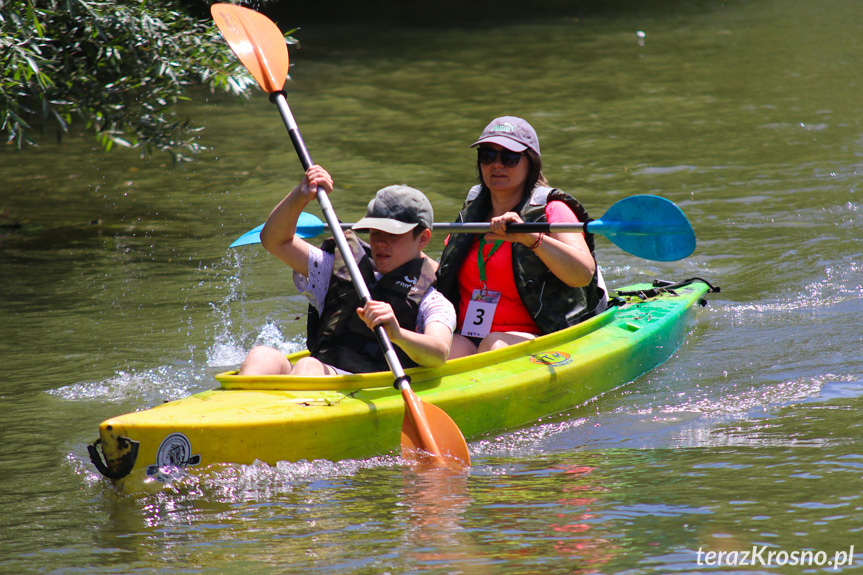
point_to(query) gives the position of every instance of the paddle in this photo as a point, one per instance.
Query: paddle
(260, 46)
(649, 227)
(308, 226)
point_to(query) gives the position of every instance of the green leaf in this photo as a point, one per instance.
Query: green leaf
(118, 67)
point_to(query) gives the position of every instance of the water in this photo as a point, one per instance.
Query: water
(744, 114)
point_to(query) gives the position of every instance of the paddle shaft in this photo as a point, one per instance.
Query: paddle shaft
(333, 222)
(646, 226)
(593, 226)
(484, 227)
(402, 381)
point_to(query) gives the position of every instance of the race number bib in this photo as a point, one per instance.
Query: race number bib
(480, 313)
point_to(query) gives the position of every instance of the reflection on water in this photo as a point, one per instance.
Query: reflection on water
(438, 498)
(576, 523)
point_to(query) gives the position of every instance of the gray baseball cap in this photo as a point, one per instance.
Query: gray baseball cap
(397, 210)
(514, 134)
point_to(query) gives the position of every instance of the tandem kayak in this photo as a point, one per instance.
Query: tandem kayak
(289, 418)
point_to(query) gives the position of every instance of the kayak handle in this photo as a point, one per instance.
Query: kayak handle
(127, 461)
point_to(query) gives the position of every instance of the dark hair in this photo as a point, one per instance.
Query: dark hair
(535, 176)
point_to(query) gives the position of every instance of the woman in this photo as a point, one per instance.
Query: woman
(511, 287)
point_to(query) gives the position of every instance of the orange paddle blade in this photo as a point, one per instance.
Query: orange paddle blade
(428, 432)
(257, 42)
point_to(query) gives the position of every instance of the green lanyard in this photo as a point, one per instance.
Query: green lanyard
(480, 262)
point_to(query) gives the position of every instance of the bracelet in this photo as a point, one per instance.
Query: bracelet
(538, 242)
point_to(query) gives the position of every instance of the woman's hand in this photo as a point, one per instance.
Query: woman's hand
(498, 230)
(565, 254)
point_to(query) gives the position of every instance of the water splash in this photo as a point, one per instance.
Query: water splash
(260, 480)
(144, 388)
(227, 348)
(228, 336)
(231, 337)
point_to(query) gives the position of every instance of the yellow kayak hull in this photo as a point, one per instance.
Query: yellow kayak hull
(285, 418)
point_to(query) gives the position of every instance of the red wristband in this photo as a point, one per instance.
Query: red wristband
(538, 242)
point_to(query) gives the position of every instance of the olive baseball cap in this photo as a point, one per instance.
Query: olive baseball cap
(397, 210)
(513, 133)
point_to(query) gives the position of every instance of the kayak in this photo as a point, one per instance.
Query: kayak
(289, 418)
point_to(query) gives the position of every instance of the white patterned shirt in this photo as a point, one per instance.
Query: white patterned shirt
(433, 306)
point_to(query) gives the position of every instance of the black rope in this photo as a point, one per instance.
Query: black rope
(662, 286)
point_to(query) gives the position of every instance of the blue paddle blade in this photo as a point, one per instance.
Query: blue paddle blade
(647, 226)
(250, 237)
(308, 226)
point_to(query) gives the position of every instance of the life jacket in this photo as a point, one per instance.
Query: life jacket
(338, 336)
(553, 304)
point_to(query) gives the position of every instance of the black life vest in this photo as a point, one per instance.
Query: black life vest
(338, 336)
(553, 304)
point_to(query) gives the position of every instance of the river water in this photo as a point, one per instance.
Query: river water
(119, 292)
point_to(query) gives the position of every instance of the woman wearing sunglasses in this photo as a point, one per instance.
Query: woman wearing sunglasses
(511, 287)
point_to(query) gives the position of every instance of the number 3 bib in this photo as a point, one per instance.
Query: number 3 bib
(480, 311)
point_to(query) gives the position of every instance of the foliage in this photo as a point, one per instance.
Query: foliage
(118, 66)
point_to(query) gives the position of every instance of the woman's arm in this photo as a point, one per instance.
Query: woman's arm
(566, 254)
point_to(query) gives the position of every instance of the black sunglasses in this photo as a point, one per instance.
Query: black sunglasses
(508, 158)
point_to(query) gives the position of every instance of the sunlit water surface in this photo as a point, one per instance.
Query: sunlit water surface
(119, 293)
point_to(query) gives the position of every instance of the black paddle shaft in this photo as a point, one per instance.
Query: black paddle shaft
(278, 98)
(281, 102)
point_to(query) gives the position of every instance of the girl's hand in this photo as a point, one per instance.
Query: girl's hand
(376, 313)
(314, 178)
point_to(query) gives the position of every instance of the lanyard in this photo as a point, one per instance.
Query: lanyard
(480, 262)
